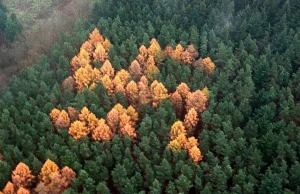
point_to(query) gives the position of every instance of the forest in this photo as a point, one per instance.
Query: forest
(160, 96)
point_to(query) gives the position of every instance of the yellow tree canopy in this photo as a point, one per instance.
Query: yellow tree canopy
(176, 130)
(48, 168)
(159, 93)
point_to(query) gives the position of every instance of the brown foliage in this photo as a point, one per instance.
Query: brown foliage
(206, 65)
(196, 100)
(69, 84)
(107, 69)
(73, 113)
(144, 91)
(63, 120)
(183, 90)
(177, 101)
(113, 119)
(135, 70)
(132, 93)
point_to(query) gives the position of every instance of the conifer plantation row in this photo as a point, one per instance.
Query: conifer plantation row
(181, 96)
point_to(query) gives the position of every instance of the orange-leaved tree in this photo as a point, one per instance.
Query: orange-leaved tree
(132, 93)
(21, 176)
(102, 132)
(195, 154)
(196, 100)
(78, 130)
(191, 120)
(48, 168)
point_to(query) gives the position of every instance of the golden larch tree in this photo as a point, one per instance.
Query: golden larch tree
(82, 78)
(150, 62)
(192, 141)
(177, 129)
(186, 58)
(113, 119)
(92, 122)
(96, 75)
(132, 93)
(102, 132)
(207, 65)
(107, 69)
(48, 168)
(106, 44)
(22, 190)
(135, 70)
(9, 188)
(21, 176)
(63, 121)
(151, 71)
(78, 130)
(183, 90)
(196, 100)
(54, 114)
(124, 76)
(191, 120)
(145, 96)
(182, 140)
(83, 54)
(100, 55)
(177, 53)
(126, 126)
(108, 84)
(133, 114)
(159, 93)
(67, 175)
(141, 60)
(84, 114)
(95, 37)
(143, 51)
(88, 47)
(195, 154)
(174, 145)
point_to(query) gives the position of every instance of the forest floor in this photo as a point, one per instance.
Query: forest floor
(43, 25)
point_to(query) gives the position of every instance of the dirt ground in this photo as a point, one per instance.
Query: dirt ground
(41, 35)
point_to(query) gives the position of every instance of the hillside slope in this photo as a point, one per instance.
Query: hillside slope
(40, 31)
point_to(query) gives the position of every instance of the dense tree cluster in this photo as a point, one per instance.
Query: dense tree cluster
(50, 180)
(211, 105)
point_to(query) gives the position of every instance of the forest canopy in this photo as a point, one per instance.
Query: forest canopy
(160, 97)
